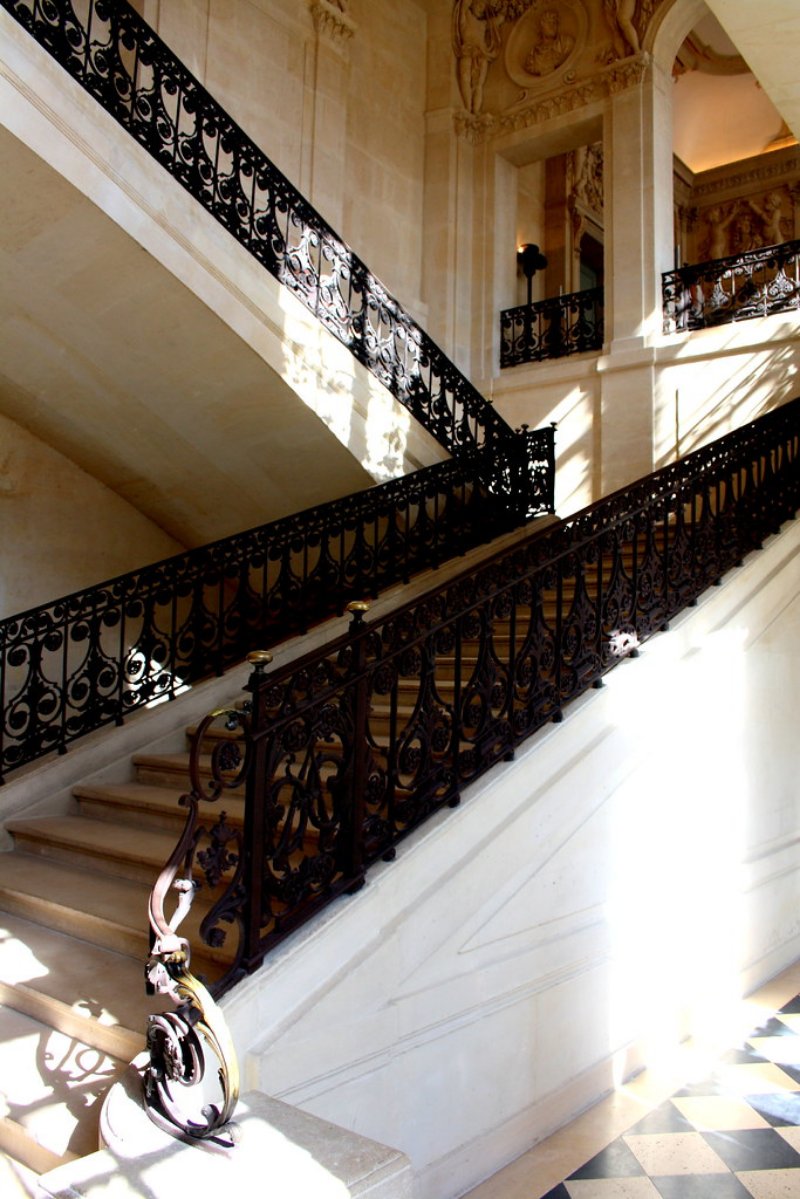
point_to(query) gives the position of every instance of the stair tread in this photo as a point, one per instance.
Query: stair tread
(51, 1085)
(44, 961)
(98, 836)
(148, 797)
(120, 901)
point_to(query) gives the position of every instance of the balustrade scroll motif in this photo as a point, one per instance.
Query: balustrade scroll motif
(735, 288)
(553, 328)
(92, 658)
(182, 1043)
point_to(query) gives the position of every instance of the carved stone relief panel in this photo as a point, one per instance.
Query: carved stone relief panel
(586, 177)
(545, 42)
(745, 224)
(745, 206)
(518, 62)
(332, 20)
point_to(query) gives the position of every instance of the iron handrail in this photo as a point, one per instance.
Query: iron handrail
(552, 328)
(93, 657)
(119, 60)
(763, 282)
(349, 749)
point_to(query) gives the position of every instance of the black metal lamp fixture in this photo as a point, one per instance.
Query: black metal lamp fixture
(530, 260)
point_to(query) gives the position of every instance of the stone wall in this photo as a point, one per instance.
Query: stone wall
(62, 529)
(334, 94)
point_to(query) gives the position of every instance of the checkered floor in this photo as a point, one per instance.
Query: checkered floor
(736, 1135)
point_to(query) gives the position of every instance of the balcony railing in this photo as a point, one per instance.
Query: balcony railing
(343, 753)
(552, 328)
(94, 657)
(738, 288)
(107, 47)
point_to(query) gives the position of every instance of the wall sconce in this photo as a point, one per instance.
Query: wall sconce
(530, 260)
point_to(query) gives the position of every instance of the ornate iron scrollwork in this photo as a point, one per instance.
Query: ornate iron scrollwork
(114, 55)
(357, 744)
(737, 288)
(71, 666)
(181, 1042)
(553, 328)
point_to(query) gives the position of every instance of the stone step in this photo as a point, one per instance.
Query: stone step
(143, 805)
(96, 845)
(171, 771)
(100, 908)
(86, 992)
(18, 1181)
(51, 1088)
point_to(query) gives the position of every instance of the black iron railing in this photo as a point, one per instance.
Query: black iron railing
(115, 56)
(346, 751)
(91, 658)
(552, 328)
(757, 283)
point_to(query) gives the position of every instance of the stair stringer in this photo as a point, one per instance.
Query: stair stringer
(597, 897)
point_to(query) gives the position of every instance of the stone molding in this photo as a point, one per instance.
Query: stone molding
(610, 82)
(331, 20)
(785, 169)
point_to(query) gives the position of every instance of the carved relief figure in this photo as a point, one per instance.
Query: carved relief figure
(588, 169)
(627, 26)
(476, 42)
(771, 218)
(719, 221)
(620, 17)
(552, 47)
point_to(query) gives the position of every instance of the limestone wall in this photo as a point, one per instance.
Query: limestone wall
(334, 93)
(62, 529)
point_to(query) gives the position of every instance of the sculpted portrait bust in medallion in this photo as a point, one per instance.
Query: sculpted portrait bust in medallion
(552, 47)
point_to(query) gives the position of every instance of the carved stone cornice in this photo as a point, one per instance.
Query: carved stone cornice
(787, 168)
(331, 21)
(609, 82)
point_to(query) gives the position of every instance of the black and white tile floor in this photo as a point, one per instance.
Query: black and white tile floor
(734, 1134)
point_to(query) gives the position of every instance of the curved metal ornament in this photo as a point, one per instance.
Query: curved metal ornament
(177, 1041)
(176, 1044)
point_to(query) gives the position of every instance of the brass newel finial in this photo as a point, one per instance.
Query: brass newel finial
(260, 659)
(357, 609)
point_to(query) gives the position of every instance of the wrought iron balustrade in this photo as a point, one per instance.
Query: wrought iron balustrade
(107, 47)
(552, 328)
(89, 659)
(346, 751)
(757, 283)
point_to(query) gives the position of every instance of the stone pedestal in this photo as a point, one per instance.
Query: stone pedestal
(281, 1151)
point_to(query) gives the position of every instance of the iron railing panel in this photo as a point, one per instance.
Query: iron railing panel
(115, 56)
(554, 328)
(94, 657)
(348, 750)
(763, 282)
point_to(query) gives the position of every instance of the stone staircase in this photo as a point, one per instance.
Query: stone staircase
(74, 891)
(73, 913)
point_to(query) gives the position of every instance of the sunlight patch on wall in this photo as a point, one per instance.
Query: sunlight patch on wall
(675, 911)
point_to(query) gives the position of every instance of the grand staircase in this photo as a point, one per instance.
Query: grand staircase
(74, 891)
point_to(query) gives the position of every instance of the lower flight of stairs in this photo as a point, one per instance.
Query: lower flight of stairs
(73, 942)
